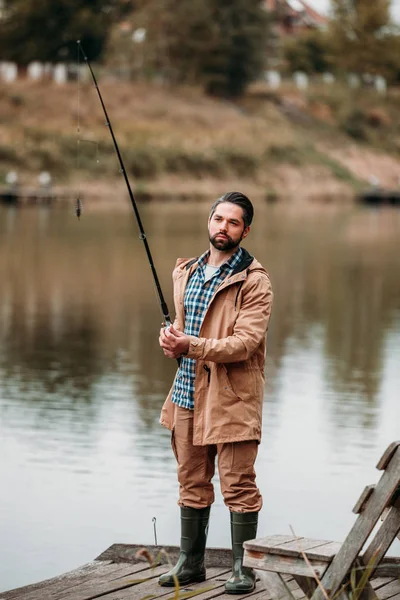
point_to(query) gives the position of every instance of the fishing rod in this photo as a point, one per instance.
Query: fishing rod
(142, 236)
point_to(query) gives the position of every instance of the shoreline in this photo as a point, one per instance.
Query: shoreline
(99, 196)
(171, 188)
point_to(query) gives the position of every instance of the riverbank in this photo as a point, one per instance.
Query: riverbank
(326, 143)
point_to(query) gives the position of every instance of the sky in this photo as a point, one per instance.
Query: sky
(323, 6)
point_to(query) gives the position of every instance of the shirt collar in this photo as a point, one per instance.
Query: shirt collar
(231, 263)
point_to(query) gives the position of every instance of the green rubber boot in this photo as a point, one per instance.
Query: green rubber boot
(190, 566)
(243, 528)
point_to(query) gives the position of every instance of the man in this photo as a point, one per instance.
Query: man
(223, 303)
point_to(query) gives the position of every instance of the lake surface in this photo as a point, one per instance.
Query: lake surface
(84, 462)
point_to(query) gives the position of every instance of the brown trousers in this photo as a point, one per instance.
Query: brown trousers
(196, 468)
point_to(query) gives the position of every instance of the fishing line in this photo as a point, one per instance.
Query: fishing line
(78, 203)
(142, 236)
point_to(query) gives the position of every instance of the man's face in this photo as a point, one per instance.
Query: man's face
(226, 227)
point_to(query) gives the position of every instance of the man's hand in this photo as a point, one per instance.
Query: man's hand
(173, 342)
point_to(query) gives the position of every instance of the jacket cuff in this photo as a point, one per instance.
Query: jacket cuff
(195, 347)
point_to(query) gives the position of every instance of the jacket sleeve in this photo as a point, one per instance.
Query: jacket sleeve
(249, 330)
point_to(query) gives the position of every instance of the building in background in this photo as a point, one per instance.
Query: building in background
(295, 16)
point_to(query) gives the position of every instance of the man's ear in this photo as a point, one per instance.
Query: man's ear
(246, 232)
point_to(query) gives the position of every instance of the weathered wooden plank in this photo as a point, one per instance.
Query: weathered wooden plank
(94, 588)
(264, 595)
(324, 551)
(277, 540)
(298, 594)
(151, 587)
(307, 584)
(123, 570)
(256, 595)
(367, 491)
(214, 557)
(320, 550)
(293, 586)
(216, 578)
(362, 528)
(381, 581)
(327, 552)
(389, 567)
(270, 542)
(384, 537)
(115, 571)
(295, 547)
(276, 585)
(389, 590)
(387, 456)
(86, 572)
(282, 564)
(216, 583)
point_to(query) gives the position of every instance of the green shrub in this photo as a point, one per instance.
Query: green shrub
(285, 154)
(143, 161)
(241, 162)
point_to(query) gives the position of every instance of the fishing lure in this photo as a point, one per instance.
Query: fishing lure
(78, 207)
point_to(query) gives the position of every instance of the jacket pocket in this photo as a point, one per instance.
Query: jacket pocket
(243, 381)
(225, 382)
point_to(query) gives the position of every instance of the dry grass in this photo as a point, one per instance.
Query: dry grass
(164, 134)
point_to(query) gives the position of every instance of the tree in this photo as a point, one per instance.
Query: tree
(238, 55)
(47, 31)
(362, 35)
(310, 52)
(218, 43)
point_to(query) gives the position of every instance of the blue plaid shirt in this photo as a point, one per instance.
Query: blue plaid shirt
(198, 295)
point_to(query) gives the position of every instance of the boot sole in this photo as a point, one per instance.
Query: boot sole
(237, 592)
(242, 591)
(197, 579)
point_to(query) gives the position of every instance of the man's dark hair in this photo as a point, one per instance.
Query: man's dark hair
(239, 199)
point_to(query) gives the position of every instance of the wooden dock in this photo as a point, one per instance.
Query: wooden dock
(120, 573)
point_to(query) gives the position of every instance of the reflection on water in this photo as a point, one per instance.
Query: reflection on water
(84, 462)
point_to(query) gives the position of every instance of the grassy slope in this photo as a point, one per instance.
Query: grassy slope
(180, 142)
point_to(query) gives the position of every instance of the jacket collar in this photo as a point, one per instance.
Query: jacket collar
(244, 264)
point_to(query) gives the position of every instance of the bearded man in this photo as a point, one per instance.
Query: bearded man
(223, 303)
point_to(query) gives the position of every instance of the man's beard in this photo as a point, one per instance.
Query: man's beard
(225, 244)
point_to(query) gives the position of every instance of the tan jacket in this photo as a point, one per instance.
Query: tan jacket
(229, 353)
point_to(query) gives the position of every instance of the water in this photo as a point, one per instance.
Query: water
(83, 460)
